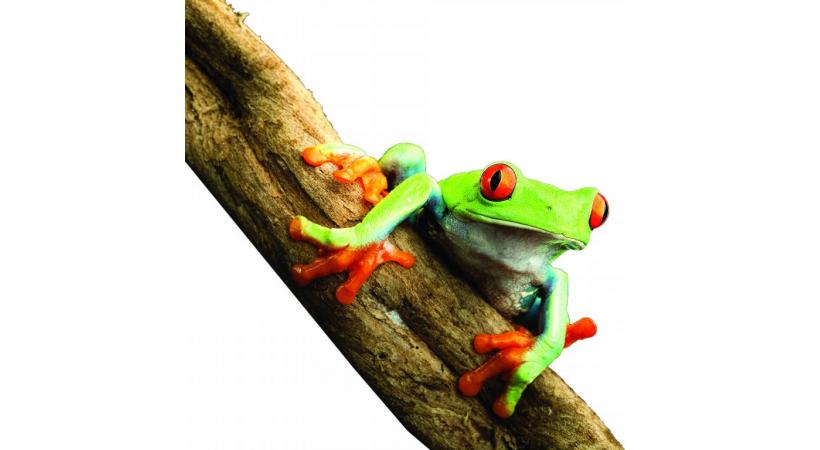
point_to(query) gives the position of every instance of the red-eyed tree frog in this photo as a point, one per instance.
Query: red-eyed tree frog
(502, 230)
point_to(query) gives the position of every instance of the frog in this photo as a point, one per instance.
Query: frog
(501, 230)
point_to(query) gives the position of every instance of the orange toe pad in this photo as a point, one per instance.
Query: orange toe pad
(583, 328)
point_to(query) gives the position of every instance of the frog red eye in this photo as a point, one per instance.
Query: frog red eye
(600, 211)
(498, 182)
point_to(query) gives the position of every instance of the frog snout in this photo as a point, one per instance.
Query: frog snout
(600, 211)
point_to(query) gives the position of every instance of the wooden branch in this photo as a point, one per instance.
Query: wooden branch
(409, 332)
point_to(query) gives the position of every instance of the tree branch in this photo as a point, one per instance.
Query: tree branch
(409, 332)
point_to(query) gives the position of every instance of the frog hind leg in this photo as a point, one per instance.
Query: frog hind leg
(353, 165)
(376, 177)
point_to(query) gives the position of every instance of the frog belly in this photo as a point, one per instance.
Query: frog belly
(507, 265)
(511, 298)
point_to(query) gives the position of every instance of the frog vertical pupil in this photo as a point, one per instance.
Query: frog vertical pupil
(495, 180)
(498, 182)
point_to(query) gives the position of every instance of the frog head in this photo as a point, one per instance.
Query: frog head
(501, 195)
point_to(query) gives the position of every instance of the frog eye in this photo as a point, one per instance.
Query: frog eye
(600, 211)
(498, 182)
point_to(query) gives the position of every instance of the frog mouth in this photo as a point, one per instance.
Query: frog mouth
(568, 242)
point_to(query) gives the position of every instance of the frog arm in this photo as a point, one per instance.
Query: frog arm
(413, 194)
(547, 345)
(553, 317)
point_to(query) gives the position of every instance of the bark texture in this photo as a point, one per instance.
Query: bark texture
(409, 332)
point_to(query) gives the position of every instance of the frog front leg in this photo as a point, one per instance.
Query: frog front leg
(361, 248)
(522, 356)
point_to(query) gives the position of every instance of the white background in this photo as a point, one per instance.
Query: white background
(134, 314)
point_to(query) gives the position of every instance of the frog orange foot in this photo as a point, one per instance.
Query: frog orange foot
(352, 166)
(359, 263)
(513, 347)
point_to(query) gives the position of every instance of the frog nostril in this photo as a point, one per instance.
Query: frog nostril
(600, 211)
